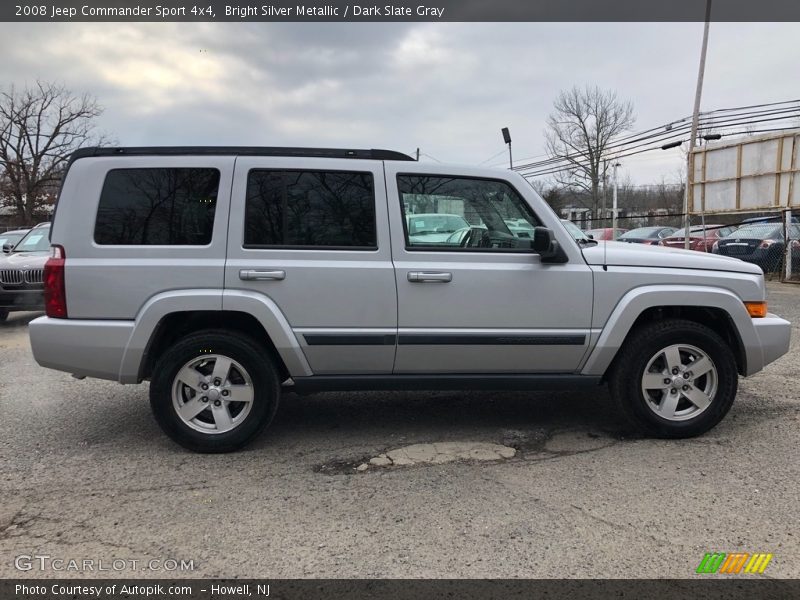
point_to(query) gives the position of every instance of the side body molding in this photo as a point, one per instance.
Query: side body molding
(637, 300)
(261, 307)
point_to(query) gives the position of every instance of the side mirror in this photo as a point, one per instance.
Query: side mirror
(7, 248)
(542, 240)
(590, 236)
(547, 247)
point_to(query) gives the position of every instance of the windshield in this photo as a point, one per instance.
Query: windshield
(10, 238)
(761, 231)
(36, 240)
(435, 224)
(518, 223)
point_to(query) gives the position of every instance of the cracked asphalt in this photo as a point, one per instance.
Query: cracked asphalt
(86, 474)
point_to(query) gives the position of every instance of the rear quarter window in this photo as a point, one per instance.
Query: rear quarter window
(157, 206)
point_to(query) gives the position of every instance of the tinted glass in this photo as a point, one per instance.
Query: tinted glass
(147, 207)
(454, 213)
(310, 209)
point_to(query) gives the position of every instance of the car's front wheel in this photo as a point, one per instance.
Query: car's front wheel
(214, 391)
(3, 314)
(674, 379)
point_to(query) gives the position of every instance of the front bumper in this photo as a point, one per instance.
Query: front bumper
(22, 299)
(774, 335)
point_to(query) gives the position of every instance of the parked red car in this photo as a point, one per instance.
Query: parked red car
(696, 239)
(604, 233)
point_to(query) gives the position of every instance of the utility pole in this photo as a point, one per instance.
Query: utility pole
(605, 191)
(614, 215)
(417, 154)
(695, 119)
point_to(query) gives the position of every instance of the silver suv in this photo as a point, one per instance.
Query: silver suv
(225, 275)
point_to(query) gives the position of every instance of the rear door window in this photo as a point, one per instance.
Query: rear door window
(158, 206)
(310, 210)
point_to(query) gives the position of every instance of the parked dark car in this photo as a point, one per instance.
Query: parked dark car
(697, 241)
(761, 244)
(22, 273)
(646, 235)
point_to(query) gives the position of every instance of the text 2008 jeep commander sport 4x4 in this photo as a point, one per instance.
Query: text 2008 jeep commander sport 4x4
(223, 275)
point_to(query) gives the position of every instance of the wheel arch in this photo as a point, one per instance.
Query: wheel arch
(714, 318)
(719, 309)
(169, 316)
(177, 325)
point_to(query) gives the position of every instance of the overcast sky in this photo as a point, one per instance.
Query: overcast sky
(447, 88)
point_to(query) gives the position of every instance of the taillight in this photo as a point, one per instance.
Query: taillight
(55, 291)
(766, 244)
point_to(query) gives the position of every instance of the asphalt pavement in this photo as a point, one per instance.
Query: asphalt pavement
(88, 476)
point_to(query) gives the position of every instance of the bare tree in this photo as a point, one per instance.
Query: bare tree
(579, 131)
(40, 126)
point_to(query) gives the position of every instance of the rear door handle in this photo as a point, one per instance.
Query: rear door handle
(255, 275)
(429, 276)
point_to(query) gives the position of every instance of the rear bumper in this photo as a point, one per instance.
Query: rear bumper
(80, 346)
(774, 335)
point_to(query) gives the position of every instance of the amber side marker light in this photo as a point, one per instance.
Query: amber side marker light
(756, 309)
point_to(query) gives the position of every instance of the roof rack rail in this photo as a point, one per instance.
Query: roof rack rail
(239, 150)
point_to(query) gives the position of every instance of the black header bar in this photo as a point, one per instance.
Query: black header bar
(397, 10)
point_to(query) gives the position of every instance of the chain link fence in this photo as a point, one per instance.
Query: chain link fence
(764, 239)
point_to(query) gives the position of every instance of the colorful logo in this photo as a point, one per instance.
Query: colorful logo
(734, 562)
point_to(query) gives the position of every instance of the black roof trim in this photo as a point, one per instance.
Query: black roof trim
(240, 151)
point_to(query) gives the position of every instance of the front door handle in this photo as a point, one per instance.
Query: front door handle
(255, 275)
(429, 276)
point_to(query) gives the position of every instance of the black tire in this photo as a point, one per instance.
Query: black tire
(3, 314)
(252, 357)
(625, 379)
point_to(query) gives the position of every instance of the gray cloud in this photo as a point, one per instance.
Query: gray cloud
(447, 88)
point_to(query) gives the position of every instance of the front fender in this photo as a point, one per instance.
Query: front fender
(636, 301)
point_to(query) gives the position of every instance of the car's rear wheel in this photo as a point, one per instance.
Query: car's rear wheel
(214, 391)
(674, 379)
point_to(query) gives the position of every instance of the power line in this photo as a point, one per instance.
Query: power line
(675, 132)
(503, 151)
(619, 156)
(429, 156)
(667, 131)
(641, 140)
